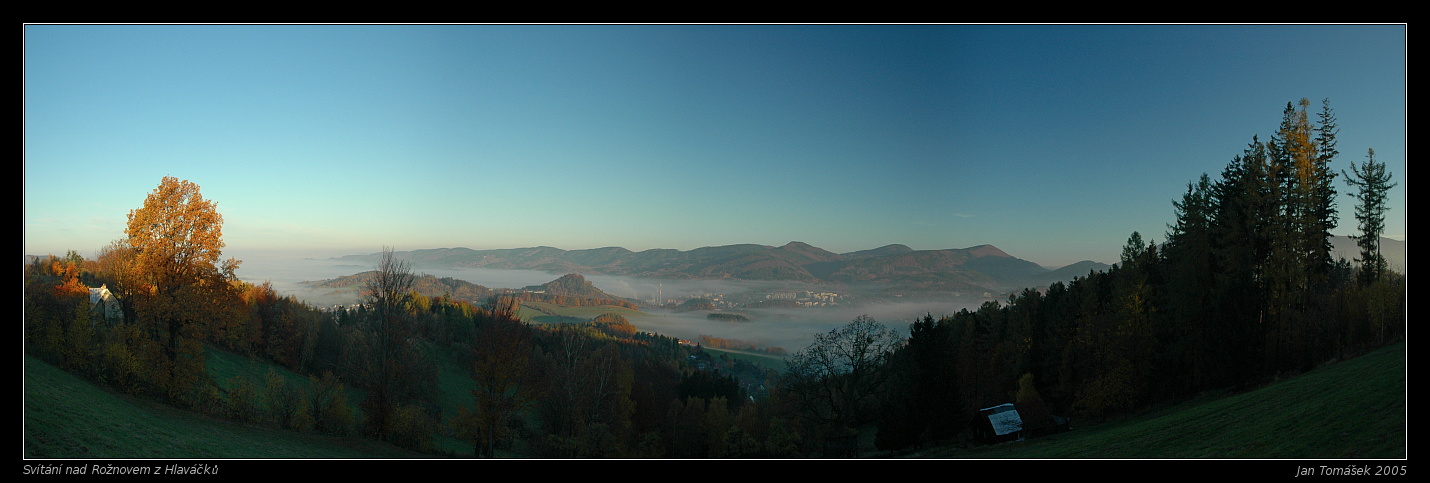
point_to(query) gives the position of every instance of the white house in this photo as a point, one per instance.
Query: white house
(104, 306)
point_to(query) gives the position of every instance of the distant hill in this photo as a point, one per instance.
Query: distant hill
(1065, 274)
(570, 290)
(897, 268)
(1393, 251)
(572, 285)
(424, 284)
(878, 252)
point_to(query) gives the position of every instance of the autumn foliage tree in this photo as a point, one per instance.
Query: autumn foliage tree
(58, 324)
(176, 239)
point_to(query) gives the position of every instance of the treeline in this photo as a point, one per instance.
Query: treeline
(128, 353)
(1243, 291)
(695, 304)
(601, 389)
(595, 389)
(737, 344)
(521, 296)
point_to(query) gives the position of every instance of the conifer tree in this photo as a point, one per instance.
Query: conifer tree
(1321, 209)
(1191, 271)
(1244, 204)
(1372, 182)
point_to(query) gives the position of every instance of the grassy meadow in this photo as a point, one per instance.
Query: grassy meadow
(68, 417)
(1354, 409)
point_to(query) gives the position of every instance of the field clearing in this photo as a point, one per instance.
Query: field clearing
(67, 417)
(1354, 409)
(545, 312)
(764, 360)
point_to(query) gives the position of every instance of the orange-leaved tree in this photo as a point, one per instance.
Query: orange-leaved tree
(176, 239)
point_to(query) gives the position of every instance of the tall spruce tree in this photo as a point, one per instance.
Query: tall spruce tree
(1244, 204)
(1321, 204)
(1302, 254)
(1372, 182)
(1191, 271)
(1300, 154)
(1291, 157)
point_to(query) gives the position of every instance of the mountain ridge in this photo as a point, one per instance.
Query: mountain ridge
(893, 268)
(978, 268)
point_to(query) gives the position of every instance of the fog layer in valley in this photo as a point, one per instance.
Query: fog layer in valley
(789, 328)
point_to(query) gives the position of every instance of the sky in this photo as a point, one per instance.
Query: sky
(1051, 142)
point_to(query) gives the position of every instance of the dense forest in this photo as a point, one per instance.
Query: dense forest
(1242, 290)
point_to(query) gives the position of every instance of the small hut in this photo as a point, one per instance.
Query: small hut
(1009, 422)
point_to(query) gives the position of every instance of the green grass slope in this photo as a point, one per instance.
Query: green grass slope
(67, 417)
(454, 385)
(1353, 409)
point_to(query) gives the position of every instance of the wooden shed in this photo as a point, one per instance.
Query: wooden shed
(1009, 422)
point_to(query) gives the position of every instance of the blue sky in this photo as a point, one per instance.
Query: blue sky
(1053, 143)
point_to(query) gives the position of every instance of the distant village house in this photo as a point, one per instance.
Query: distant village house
(104, 306)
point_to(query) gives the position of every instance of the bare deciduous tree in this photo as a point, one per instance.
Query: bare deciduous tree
(387, 293)
(836, 377)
